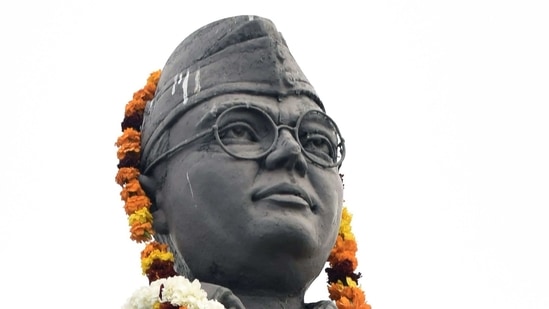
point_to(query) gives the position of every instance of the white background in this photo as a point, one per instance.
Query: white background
(443, 104)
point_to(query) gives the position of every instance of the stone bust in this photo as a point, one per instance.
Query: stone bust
(242, 166)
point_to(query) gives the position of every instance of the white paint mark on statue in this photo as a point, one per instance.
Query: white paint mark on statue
(197, 82)
(184, 86)
(190, 188)
(174, 83)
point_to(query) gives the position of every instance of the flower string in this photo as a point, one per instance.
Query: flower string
(343, 281)
(136, 202)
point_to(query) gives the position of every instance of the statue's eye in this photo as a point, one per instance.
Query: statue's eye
(238, 132)
(318, 144)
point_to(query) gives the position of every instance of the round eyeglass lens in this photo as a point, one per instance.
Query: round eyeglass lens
(246, 133)
(320, 139)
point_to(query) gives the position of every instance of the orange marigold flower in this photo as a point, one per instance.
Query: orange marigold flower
(129, 141)
(134, 203)
(347, 297)
(132, 188)
(125, 148)
(359, 303)
(343, 250)
(154, 77)
(335, 290)
(129, 136)
(148, 91)
(135, 106)
(141, 232)
(345, 303)
(140, 94)
(342, 256)
(125, 174)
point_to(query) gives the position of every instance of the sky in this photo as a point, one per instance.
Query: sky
(443, 106)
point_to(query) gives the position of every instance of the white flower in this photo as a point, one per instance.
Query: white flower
(177, 290)
(143, 298)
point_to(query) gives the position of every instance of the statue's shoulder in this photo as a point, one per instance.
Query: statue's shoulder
(323, 304)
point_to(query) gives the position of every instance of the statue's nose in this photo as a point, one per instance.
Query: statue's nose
(287, 154)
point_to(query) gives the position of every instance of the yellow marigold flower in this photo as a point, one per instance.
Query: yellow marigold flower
(152, 246)
(162, 256)
(350, 282)
(146, 262)
(140, 216)
(345, 227)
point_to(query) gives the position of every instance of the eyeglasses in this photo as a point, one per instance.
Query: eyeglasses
(247, 132)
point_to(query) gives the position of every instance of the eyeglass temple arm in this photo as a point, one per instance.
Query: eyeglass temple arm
(174, 149)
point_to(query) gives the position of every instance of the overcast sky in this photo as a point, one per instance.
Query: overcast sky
(444, 107)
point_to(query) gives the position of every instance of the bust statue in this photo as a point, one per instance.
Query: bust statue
(241, 166)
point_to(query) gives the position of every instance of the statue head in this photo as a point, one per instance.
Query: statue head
(241, 161)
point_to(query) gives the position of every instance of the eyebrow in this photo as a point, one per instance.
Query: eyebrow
(218, 109)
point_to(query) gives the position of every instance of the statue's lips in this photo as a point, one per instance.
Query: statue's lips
(284, 193)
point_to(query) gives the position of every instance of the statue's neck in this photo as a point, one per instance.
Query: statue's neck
(271, 302)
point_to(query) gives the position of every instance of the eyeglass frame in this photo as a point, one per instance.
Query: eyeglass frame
(295, 129)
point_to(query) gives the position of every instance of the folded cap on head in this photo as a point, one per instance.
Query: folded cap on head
(242, 54)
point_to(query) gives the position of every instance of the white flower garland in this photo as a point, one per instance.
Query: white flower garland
(178, 291)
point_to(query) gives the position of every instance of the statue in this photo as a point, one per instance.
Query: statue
(230, 161)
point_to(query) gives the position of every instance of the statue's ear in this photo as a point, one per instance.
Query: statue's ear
(159, 217)
(149, 185)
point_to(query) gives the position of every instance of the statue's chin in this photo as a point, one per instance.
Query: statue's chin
(283, 262)
(287, 234)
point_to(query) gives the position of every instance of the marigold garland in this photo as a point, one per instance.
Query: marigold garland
(157, 262)
(136, 202)
(343, 281)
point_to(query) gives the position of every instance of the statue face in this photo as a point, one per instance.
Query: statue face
(265, 223)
